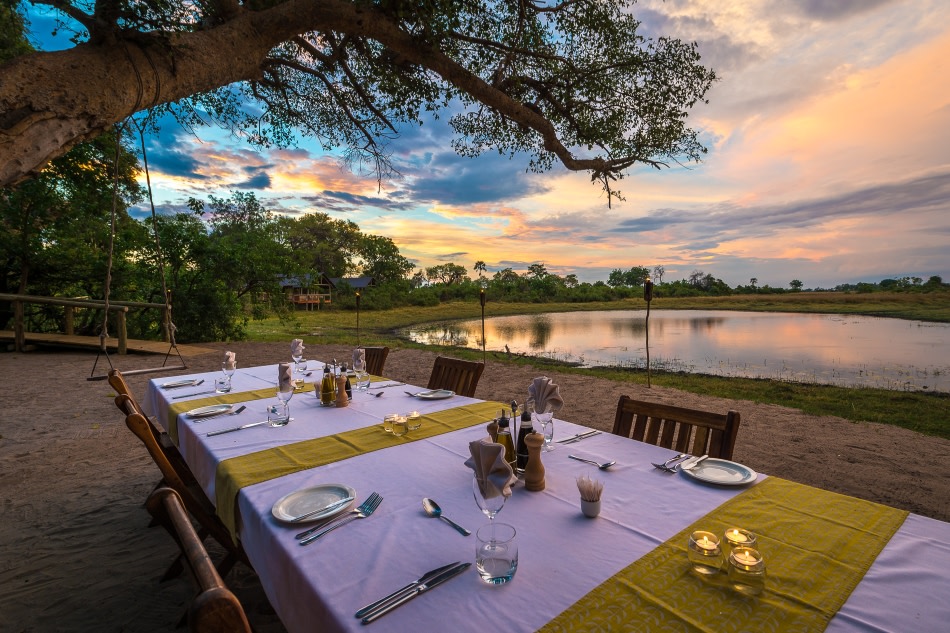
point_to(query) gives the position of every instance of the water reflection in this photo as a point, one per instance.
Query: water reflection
(831, 349)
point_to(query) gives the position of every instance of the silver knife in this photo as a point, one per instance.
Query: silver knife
(236, 428)
(419, 589)
(188, 395)
(382, 602)
(579, 436)
(690, 464)
(326, 508)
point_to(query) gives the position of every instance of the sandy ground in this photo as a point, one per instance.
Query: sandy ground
(76, 553)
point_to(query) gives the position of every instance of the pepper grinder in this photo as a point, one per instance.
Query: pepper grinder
(534, 471)
(342, 400)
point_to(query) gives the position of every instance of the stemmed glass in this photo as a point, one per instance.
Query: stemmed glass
(298, 356)
(225, 385)
(280, 413)
(490, 506)
(359, 368)
(546, 422)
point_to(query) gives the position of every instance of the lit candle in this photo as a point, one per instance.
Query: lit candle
(744, 557)
(704, 552)
(736, 537)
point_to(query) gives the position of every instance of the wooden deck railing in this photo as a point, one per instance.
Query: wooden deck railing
(120, 308)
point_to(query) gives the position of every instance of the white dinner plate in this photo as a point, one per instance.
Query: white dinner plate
(180, 383)
(435, 394)
(204, 412)
(310, 499)
(722, 472)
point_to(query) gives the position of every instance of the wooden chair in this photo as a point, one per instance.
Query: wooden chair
(460, 376)
(178, 476)
(215, 609)
(117, 381)
(376, 359)
(685, 430)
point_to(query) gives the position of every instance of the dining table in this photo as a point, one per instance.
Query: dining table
(833, 562)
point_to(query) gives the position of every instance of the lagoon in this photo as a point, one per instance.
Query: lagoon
(844, 350)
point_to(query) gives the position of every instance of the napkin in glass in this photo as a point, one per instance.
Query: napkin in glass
(359, 356)
(493, 473)
(546, 395)
(296, 347)
(285, 380)
(230, 360)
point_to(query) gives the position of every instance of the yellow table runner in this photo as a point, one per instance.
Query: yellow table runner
(238, 472)
(817, 547)
(177, 408)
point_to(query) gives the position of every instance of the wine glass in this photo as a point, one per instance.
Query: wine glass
(546, 422)
(280, 413)
(298, 356)
(359, 368)
(490, 506)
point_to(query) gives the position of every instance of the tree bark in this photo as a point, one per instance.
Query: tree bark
(49, 101)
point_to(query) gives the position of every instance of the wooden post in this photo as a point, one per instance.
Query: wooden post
(648, 297)
(123, 331)
(68, 312)
(19, 338)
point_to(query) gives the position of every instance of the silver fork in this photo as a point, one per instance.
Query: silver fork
(666, 465)
(361, 512)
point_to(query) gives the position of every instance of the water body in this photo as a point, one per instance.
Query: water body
(834, 349)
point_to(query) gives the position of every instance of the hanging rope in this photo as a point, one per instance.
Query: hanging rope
(158, 244)
(104, 332)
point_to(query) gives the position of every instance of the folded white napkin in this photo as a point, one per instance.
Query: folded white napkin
(285, 380)
(230, 361)
(546, 395)
(492, 472)
(359, 356)
(296, 347)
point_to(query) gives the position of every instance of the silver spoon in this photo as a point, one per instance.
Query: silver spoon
(433, 510)
(603, 466)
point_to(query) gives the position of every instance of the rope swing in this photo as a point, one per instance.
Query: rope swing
(167, 324)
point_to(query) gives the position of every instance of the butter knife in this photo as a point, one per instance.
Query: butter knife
(382, 602)
(690, 464)
(578, 437)
(236, 428)
(417, 590)
(188, 395)
(326, 508)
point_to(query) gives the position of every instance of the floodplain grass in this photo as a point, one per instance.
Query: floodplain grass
(924, 412)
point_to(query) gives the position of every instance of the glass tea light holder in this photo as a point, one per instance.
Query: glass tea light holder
(746, 570)
(414, 420)
(737, 537)
(705, 553)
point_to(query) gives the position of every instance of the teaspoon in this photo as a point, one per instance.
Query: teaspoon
(433, 510)
(603, 466)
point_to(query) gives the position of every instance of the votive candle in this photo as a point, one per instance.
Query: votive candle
(746, 570)
(704, 551)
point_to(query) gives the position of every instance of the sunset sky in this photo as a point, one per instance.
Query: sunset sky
(829, 162)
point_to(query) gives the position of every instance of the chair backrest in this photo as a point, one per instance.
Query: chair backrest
(460, 376)
(684, 430)
(178, 476)
(117, 381)
(215, 609)
(376, 359)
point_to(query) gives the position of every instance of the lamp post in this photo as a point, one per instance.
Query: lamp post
(481, 300)
(648, 297)
(358, 318)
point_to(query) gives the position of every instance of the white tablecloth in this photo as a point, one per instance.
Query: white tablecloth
(562, 554)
